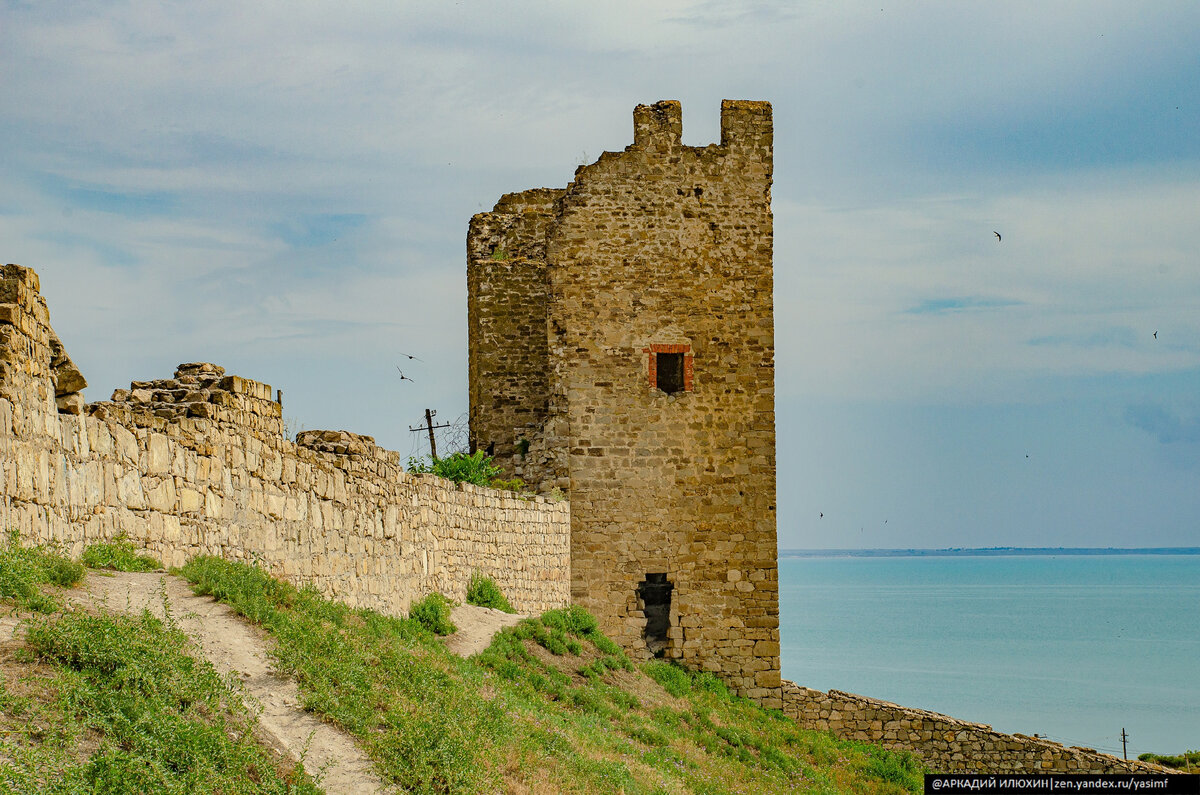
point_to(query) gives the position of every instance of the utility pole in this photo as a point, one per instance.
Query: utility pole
(1124, 747)
(429, 426)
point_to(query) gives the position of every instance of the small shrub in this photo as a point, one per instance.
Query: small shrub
(515, 485)
(477, 468)
(673, 679)
(419, 465)
(706, 682)
(606, 645)
(483, 592)
(24, 569)
(647, 736)
(581, 622)
(896, 767)
(433, 612)
(59, 570)
(118, 554)
(555, 619)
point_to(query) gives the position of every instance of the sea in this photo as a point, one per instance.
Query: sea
(1073, 647)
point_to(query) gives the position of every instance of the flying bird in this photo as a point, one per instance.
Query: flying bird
(403, 377)
(410, 356)
(997, 234)
(821, 516)
(1156, 334)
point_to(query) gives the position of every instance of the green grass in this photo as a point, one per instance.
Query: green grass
(1188, 761)
(118, 704)
(433, 613)
(477, 467)
(552, 706)
(484, 592)
(119, 555)
(24, 570)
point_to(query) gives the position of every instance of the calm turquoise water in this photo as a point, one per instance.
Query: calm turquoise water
(1070, 647)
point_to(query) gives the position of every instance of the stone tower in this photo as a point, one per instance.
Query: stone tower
(622, 350)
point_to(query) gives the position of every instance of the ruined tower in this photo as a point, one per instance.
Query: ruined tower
(622, 350)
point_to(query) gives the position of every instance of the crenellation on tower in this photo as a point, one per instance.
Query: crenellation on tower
(747, 126)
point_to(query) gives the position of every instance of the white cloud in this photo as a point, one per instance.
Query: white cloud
(1081, 279)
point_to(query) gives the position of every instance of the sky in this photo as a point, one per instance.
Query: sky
(284, 189)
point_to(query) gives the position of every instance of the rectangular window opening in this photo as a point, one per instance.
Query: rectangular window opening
(669, 371)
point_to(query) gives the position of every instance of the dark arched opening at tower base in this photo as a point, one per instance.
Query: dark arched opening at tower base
(654, 593)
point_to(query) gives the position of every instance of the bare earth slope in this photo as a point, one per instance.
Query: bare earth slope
(476, 626)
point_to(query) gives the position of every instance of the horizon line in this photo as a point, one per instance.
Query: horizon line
(1178, 550)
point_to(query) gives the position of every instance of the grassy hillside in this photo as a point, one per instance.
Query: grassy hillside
(1188, 762)
(116, 704)
(552, 706)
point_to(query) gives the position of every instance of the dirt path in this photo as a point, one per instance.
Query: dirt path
(233, 645)
(476, 626)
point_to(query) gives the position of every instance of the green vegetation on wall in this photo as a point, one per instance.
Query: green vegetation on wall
(476, 468)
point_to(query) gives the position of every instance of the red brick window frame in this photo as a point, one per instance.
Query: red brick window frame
(652, 358)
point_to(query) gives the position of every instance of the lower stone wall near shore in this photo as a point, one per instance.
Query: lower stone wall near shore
(944, 744)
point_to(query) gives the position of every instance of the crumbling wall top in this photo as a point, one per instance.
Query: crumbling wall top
(659, 126)
(533, 200)
(346, 443)
(13, 275)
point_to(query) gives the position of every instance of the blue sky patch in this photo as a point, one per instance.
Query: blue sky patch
(941, 306)
(313, 231)
(105, 199)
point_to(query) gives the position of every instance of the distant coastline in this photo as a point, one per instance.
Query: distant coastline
(983, 552)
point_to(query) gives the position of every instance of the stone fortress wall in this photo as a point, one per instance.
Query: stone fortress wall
(661, 252)
(945, 744)
(198, 464)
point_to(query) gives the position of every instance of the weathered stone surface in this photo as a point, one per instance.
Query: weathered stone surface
(67, 378)
(662, 250)
(197, 464)
(70, 404)
(198, 369)
(343, 443)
